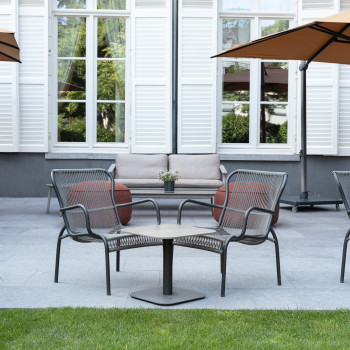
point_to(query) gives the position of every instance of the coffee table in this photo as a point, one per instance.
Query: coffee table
(167, 295)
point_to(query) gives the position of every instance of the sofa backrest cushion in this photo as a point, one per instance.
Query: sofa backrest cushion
(140, 166)
(196, 166)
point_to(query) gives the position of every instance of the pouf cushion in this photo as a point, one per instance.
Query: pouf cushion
(77, 194)
(255, 187)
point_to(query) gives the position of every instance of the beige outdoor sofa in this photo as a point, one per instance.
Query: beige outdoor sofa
(197, 171)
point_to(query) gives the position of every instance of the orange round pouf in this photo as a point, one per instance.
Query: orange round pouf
(220, 199)
(79, 194)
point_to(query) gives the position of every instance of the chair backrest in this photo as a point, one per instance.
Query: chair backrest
(342, 179)
(91, 188)
(250, 188)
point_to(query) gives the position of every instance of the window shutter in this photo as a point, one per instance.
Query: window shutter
(344, 111)
(8, 86)
(197, 77)
(151, 77)
(321, 108)
(33, 72)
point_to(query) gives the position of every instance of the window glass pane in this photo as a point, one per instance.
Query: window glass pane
(271, 26)
(273, 123)
(274, 5)
(71, 122)
(71, 4)
(110, 80)
(234, 32)
(274, 81)
(71, 79)
(71, 37)
(236, 5)
(111, 38)
(111, 4)
(235, 81)
(110, 122)
(235, 123)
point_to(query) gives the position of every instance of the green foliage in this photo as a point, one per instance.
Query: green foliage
(235, 128)
(89, 328)
(275, 133)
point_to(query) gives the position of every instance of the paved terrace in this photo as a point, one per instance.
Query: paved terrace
(310, 246)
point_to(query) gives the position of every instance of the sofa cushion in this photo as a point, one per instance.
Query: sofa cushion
(196, 166)
(140, 166)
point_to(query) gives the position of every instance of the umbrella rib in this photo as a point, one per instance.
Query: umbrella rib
(331, 32)
(8, 56)
(305, 65)
(10, 45)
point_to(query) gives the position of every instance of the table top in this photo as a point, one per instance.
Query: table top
(167, 231)
(159, 192)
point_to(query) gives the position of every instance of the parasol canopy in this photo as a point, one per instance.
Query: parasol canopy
(9, 50)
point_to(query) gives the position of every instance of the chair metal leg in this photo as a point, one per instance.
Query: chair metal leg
(58, 252)
(108, 277)
(118, 261)
(345, 246)
(278, 265)
(223, 272)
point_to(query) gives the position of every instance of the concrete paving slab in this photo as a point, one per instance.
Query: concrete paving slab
(310, 246)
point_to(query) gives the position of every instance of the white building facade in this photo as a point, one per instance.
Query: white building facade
(97, 77)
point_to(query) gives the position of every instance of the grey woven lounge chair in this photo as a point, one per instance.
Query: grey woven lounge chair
(246, 215)
(90, 214)
(342, 179)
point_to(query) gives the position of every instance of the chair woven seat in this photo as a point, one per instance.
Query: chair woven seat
(90, 213)
(246, 215)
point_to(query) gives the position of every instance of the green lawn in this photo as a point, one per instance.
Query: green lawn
(90, 328)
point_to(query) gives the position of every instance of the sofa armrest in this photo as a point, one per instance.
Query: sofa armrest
(112, 169)
(223, 173)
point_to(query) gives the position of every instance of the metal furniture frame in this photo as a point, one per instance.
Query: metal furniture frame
(90, 214)
(342, 179)
(167, 295)
(246, 216)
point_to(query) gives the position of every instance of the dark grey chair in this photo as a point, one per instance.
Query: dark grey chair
(90, 214)
(342, 179)
(246, 215)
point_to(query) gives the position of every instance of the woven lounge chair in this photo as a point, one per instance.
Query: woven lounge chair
(342, 179)
(90, 214)
(245, 218)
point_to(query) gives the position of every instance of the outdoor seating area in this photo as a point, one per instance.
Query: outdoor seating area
(310, 242)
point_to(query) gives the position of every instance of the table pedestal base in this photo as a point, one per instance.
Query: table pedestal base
(156, 296)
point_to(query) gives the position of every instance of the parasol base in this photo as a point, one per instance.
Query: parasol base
(297, 201)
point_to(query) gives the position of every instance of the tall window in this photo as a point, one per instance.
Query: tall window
(91, 60)
(254, 93)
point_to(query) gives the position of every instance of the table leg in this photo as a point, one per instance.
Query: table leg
(167, 295)
(168, 250)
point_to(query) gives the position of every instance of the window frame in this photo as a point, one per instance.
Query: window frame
(90, 145)
(254, 146)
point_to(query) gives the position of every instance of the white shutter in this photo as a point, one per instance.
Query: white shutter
(322, 91)
(344, 111)
(8, 85)
(197, 77)
(321, 111)
(151, 90)
(317, 4)
(33, 75)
